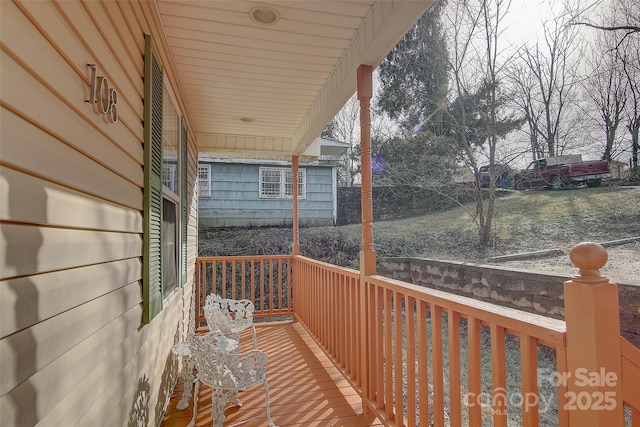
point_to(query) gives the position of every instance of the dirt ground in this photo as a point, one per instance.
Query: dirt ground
(623, 265)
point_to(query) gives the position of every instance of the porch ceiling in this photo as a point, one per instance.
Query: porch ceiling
(286, 80)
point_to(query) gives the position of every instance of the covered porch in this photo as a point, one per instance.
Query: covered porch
(88, 318)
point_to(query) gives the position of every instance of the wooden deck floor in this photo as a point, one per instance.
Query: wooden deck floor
(305, 387)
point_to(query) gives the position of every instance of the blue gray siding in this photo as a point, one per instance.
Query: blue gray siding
(235, 198)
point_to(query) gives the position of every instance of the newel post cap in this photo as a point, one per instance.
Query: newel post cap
(589, 257)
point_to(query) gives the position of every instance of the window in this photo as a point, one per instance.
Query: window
(171, 192)
(204, 180)
(170, 142)
(277, 183)
(169, 248)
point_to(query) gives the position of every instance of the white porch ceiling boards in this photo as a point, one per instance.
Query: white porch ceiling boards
(288, 79)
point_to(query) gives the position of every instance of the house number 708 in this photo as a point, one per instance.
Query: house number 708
(104, 96)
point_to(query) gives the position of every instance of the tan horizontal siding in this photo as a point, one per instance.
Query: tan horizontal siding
(112, 49)
(26, 352)
(73, 350)
(75, 380)
(61, 207)
(62, 24)
(29, 300)
(51, 249)
(51, 159)
(115, 404)
(61, 66)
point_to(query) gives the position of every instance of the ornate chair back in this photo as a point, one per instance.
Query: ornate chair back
(229, 316)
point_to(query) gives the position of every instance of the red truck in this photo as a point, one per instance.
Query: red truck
(559, 172)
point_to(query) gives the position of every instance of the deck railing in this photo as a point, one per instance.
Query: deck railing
(631, 380)
(416, 358)
(467, 349)
(327, 301)
(264, 280)
(417, 354)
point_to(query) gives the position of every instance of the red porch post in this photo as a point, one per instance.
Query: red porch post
(367, 254)
(294, 181)
(594, 364)
(365, 91)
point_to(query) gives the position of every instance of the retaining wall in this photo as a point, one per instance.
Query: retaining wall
(535, 292)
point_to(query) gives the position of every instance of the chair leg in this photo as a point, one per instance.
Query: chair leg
(268, 403)
(188, 378)
(196, 393)
(218, 401)
(233, 398)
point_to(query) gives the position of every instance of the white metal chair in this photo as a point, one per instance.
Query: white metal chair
(221, 367)
(229, 316)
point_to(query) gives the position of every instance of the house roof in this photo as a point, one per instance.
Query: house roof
(330, 150)
(267, 91)
(331, 147)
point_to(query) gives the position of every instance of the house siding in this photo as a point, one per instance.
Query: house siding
(235, 198)
(73, 350)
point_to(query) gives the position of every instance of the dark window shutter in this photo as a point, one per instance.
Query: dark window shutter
(184, 199)
(152, 254)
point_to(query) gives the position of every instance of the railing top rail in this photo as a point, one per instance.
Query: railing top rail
(547, 330)
(243, 257)
(630, 352)
(343, 270)
(630, 374)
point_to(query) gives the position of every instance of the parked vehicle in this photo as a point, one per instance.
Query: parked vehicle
(504, 175)
(559, 172)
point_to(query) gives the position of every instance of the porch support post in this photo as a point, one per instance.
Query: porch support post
(365, 91)
(594, 365)
(294, 182)
(367, 254)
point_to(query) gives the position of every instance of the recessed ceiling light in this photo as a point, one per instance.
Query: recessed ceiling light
(247, 119)
(264, 15)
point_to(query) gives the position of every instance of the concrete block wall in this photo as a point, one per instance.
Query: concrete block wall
(535, 292)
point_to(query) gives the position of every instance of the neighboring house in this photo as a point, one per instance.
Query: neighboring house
(104, 107)
(243, 192)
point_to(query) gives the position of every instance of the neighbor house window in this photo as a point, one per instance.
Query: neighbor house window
(169, 177)
(277, 183)
(204, 180)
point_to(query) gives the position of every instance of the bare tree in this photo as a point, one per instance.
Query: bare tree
(526, 89)
(631, 68)
(548, 82)
(345, 127)
(475, 28)
(629, 55)
(619, 24)
(628, 26)
(606, 87)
